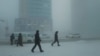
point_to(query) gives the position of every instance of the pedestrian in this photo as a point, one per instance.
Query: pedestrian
(12, 37)
(20, 40)
(37, 42)
(56, 39)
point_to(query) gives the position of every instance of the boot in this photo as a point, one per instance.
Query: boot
(32, 51)
(41, 51)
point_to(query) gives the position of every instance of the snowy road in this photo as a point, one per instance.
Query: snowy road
(77, 48)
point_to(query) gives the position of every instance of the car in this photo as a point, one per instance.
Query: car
(27, 37)
(77, 35)
(44, 36)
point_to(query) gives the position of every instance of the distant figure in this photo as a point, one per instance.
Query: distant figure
(56, 39)
(19, 41)
(12, 37)
(37, 42)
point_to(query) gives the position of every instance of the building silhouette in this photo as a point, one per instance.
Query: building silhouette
(33, 15)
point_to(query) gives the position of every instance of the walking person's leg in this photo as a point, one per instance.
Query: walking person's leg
(11, 42)
(58, 43)
(40, 47)
(33, 47)
(21, 43)
(17, 43)
(53, 43)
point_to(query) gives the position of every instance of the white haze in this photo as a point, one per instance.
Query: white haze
(60, 9)
(9, 11)
(69, 16)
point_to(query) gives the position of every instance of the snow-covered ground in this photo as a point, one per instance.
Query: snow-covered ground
(75, 48)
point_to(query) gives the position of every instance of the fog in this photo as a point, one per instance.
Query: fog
(8, 12)
(69, 16)
(62, 16)
(85, 18)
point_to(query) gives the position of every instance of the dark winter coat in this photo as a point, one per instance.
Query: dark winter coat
(20, 38)
(37, 38)
(56, 36)
(12, 37)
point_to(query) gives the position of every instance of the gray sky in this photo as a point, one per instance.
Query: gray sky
(78, 16)
(9, 11)
(60, 9)
(62, 15)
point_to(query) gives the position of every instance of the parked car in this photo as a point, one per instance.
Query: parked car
(77, 35)
(27, 37)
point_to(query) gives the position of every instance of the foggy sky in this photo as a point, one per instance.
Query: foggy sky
(62, 16)
(78, 16)
(9, 11)
(86, 17)
(60, 10)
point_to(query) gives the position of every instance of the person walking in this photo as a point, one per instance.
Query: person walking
(37, 42)
(56, 39)
(12, 37)
(19, 41)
